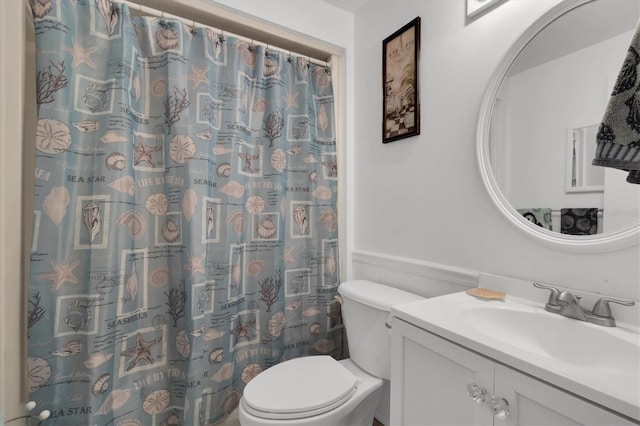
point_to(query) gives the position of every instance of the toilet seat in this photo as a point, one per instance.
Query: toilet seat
(298, 388)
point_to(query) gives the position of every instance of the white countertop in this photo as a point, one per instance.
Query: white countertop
(443, 316)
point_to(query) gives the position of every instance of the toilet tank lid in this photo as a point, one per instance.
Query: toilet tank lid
(376, 295)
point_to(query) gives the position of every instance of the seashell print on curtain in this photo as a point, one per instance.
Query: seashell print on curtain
(185, 232)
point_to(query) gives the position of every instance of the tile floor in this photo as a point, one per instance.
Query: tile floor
(232, 420)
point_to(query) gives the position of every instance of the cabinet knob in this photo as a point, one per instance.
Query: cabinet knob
(476, 392)
(499, 407)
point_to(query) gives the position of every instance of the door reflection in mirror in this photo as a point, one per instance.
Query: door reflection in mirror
(582, 175)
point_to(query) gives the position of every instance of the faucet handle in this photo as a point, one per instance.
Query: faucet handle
(602, 309)
(553, 297)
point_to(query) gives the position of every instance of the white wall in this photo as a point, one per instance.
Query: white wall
(544, 103)
(621, 200)
(422, 198)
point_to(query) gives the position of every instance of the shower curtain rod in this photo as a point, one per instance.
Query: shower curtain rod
(161, 14)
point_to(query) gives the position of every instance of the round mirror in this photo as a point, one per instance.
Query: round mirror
(537, 126)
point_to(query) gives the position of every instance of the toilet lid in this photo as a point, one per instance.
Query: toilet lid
(300, 387)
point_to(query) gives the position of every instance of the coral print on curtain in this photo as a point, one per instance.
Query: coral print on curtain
(185, 232)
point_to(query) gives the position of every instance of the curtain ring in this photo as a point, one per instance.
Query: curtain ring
(290, 58)
(308, 61)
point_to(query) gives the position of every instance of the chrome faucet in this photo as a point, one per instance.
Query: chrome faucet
(568, 305)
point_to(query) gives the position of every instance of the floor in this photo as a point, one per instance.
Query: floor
(232, 420)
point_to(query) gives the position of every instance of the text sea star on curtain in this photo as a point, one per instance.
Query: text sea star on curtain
(185, 233)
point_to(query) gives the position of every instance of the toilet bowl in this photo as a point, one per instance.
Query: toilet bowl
(351, 402)
(318, 390)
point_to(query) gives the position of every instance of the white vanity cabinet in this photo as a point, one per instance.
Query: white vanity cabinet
(429, 386)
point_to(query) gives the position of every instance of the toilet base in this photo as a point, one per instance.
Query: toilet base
(358, 410)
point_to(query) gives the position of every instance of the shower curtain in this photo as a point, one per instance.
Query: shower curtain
(185, 232)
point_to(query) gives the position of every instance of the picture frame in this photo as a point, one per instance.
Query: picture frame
(401, 101)
(477, 8)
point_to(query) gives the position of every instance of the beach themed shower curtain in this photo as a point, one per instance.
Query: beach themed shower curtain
(185, 232)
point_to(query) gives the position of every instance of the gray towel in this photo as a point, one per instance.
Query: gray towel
(579, 221)
(619, 133)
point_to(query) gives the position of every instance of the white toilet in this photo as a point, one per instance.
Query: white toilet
(318, 390)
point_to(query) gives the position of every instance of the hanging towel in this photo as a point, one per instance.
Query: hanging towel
(541, 217)
(618, 136)
(579, 221)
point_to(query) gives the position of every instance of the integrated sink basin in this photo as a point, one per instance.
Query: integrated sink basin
(598, 363)
(565, 340)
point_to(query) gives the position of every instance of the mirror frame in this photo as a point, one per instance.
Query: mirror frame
(624, 237)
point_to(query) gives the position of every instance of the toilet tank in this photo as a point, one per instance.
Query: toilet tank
(365, 311)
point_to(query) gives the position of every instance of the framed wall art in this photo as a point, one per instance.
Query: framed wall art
(401, 109)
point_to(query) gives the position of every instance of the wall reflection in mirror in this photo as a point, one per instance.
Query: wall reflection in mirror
(546, 114)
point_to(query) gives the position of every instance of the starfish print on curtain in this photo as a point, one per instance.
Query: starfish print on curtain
(141, 351)
(185, 232)
(60, 274)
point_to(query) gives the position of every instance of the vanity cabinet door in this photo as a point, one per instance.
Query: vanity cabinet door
(430, 377)
(532, 402)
